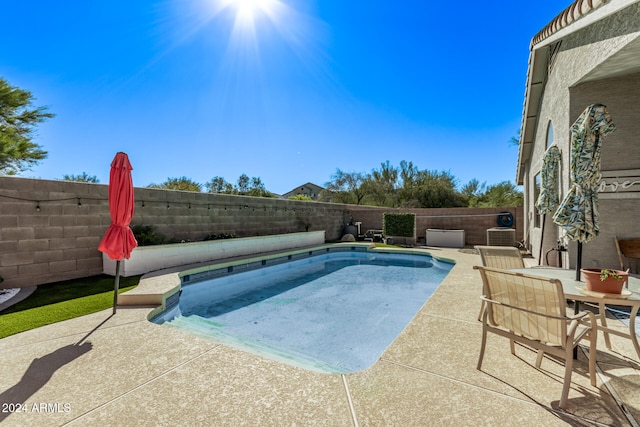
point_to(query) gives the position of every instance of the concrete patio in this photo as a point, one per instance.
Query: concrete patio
(123, 370)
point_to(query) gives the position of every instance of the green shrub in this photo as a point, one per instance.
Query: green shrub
(220, 236)
(399, 224)
(147, 235)
(176, 240)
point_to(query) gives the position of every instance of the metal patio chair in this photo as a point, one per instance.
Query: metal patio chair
(504, 257)
(531, 310)
(628, 254)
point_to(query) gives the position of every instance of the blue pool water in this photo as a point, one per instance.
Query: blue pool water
(335, 312)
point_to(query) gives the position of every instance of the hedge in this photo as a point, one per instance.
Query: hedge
(399, 224)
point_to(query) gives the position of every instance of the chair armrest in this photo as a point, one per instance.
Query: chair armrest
(578, 316)
(579, 319)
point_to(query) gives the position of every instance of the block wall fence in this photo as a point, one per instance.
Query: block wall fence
(474, 221)
(50, 230)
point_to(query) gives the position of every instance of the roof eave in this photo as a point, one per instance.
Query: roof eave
(562, 25)
(533, 94)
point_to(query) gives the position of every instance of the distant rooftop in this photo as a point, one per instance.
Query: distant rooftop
(309, 189)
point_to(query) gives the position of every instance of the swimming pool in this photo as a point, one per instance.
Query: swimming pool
(334, 312)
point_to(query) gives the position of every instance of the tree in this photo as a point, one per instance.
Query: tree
(300, 197)
(257, 189)
(472, 191)
(182, 183)
(515, 140)
(256, 184)
(472, 188)
(217, 184)
(502, 194)
(81, 178)
(433, 189)
(243, 184)
(18, 118)
(381, 186)
(408, 173)
(345, 187)
(246, 186)
(428, 189)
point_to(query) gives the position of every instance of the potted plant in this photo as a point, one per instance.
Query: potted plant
(604, 280)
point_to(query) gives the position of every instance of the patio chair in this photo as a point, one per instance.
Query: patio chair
(531, 310)
(504, 257)
(628, 254)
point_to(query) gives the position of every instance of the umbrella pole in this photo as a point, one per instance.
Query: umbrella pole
(544, 218)
(116, 285)
(579, 261)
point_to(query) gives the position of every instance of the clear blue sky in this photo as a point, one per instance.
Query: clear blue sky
(288, 93)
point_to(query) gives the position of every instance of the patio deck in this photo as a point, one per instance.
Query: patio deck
(123, 371)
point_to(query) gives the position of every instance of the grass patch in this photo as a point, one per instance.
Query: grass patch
(384, 245)
(60, 301)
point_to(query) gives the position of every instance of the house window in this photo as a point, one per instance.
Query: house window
(536, 193)
(549, 134)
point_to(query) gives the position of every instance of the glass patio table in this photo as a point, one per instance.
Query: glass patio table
(575, 290)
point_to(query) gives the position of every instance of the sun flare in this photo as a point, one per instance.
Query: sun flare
(247, 9)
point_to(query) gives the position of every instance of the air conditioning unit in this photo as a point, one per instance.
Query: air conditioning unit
(501, 236)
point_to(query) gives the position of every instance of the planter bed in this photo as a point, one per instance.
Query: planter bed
(151, 258)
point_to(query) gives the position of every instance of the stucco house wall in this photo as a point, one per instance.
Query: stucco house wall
(596, 63)
(619, 215)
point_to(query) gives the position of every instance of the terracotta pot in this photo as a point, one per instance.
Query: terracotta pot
(608, 286)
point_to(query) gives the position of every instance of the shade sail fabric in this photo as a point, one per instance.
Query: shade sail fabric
(119, 241)
(578, 211)
(548, 200)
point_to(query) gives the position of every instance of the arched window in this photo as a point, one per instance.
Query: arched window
(549, 134)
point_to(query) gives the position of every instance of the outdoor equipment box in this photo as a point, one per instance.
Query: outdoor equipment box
(445, 238)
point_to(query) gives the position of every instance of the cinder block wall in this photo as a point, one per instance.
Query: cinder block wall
(191, 216)
(50, 230)
(474, 221)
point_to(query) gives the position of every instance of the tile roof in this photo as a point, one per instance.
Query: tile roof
(575, 11)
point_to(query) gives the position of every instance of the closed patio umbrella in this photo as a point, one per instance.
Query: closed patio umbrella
(548, 199)
(118, 241)
(578, 212)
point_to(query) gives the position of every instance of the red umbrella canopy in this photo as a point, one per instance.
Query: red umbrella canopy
(118, 241)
